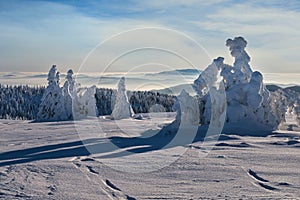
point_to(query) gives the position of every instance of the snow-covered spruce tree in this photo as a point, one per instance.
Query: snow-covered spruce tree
(20, 102)
(187, 109)
(52, 107)
(84, 103)
(122, 108)
(250, 106)
(104, 98)
(241, 68)
(69, 92)
(296, 112)
(293, 104)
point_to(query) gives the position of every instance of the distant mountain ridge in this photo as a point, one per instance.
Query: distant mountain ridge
(272, 88)
(177, 71)
(188, 87)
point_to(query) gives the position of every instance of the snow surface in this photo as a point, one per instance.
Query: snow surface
(49, 161)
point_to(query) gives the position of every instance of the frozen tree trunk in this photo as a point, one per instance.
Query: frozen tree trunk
(122, 108)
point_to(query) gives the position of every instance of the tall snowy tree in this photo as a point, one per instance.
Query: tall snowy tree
(122, 108)
(69, 93)
(84, 103)
(52, 107)
(187, 109)
(241, 69)
(249, 103)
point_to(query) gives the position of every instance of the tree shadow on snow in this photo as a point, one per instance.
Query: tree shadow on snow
(97, 146)
(102, 148)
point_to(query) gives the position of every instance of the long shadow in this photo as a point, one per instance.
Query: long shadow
(96, 146)
(44, 152)
(156, 142)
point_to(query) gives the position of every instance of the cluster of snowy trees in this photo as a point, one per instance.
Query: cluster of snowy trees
(20, 102)
(248, 102)
(143, 101)
(67, 102)
(140, 101)
(235, 92)
(75, 102)
(55, 103)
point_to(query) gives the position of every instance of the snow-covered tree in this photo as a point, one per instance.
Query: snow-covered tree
(69, 92)
(293, 104)
(241, 68)
(24, 102)
(84, 103)
(52, 107)
(249, 103)
(187, 109)
(122, 108)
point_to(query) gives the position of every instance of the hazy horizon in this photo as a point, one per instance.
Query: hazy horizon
(134, 80)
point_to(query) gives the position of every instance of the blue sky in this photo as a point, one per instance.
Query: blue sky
(36, 34)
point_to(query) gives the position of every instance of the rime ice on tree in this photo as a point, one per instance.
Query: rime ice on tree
(249, 104)
(187, 109)
(241, 67)
(52, 107)
(84, 103)
(122, 108)
(69, 93)
(59, 103)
